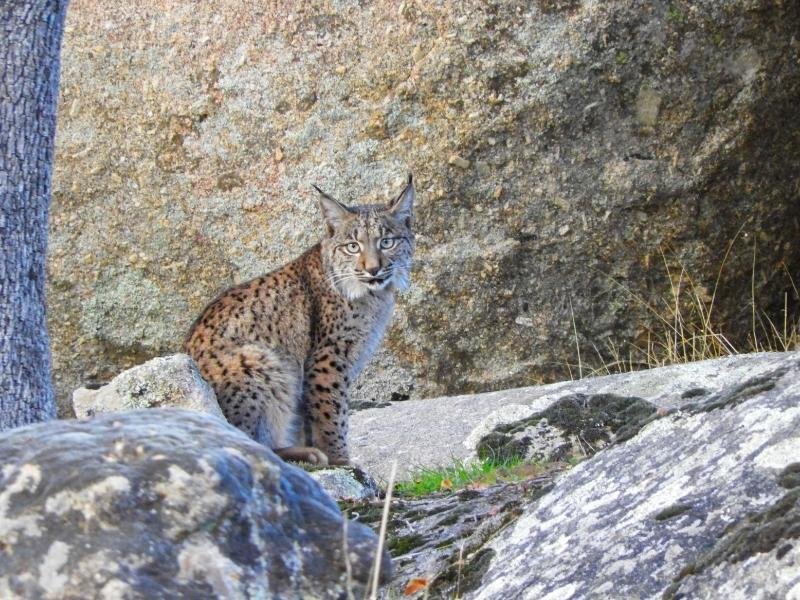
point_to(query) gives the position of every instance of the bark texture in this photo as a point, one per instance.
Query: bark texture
(30, 41)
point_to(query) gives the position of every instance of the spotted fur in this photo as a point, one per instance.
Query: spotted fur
(282, 351)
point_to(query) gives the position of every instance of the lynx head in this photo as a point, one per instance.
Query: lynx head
(368, 248)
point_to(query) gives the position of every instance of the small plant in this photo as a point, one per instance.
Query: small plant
(462, 474)
(675, 15)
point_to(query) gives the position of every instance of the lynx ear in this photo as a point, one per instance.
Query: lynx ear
(403, 207)
(335, 212)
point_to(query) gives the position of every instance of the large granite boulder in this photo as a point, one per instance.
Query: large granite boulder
(702, 503)
(559, 147)
(167, 504)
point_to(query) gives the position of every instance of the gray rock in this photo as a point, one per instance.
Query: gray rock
(442, 537)
(165, 382)
(167, 504)
(756, 558)
(433, 432)
(633, 518)
(764, 575)
(346, 483)
(612, 129)
(702, 502)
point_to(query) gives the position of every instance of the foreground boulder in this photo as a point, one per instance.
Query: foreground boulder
(638, 516)
(644, 514)
(687, 486)
(164, 382)
(167, 503)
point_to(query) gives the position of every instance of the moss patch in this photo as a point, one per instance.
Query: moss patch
(790, 476)
(450, 519)
(404, 544)
(365, 512)
(462, 575)
(594, 420)
(476, 569)
(738, 394)
(501, 446)
(694, 393)
(672, 511)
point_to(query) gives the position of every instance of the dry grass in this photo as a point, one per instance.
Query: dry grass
(687, 328)
(387, 504)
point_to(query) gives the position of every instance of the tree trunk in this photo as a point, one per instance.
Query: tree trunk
(30, 41)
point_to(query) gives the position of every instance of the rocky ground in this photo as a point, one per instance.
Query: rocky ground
(681, 482)
(450, 428)
(686, 489)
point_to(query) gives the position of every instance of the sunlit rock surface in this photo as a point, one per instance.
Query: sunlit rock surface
(559, 148)
(164, 382)
(687, 485)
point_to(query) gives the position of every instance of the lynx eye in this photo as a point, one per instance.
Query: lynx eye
(387, 243)
(352, 248)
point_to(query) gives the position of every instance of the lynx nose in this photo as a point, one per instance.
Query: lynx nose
(372, 269)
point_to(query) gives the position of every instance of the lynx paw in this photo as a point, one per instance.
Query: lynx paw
(305, 454)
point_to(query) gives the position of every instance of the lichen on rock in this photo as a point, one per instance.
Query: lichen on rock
(575, 426)
(163, 382)
(167, 503)
(767, 536)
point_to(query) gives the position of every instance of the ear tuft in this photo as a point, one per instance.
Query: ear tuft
(334, 212)
(403, 207)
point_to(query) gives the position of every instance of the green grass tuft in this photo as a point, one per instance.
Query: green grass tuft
(462, 474)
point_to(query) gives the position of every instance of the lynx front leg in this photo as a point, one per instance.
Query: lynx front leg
(327, 386)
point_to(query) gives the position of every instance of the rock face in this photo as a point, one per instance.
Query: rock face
(165, 382)
(431, 433)
(634, 518)
(699, 499)
(559, 147)
(167, 503)
(757, 557)
(441, 539)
